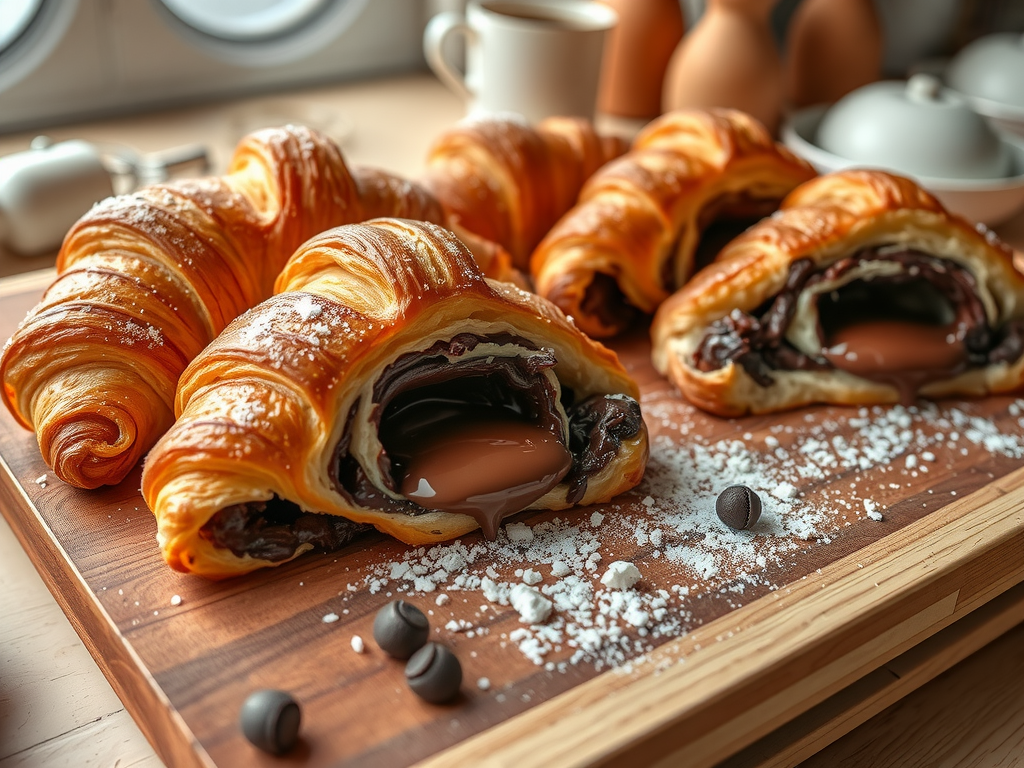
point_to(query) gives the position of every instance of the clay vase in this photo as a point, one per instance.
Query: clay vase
(636, 56)
(833, 47)
(728, 59)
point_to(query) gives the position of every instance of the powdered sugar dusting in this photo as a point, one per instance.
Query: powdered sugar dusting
(668, 554)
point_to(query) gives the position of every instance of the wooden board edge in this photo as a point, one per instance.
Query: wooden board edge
(843, 712)
(159, 722)
(699, 700)
(28, 282)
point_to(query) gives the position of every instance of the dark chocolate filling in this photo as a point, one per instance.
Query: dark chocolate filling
(597, 427)
(273, 530)
(605, 300)
(927, 289)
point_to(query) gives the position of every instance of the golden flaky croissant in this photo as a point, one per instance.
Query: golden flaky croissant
(861, 289)
(146, 280)
(389, 384)
(508, 182)
(633, 237)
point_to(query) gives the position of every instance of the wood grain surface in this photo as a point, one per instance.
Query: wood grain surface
(757, 640)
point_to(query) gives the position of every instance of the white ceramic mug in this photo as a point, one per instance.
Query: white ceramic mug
(536, 58)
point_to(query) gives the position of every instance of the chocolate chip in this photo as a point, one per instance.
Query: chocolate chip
(270, 720)
(738, 507)
(434, 673)
(400, 629)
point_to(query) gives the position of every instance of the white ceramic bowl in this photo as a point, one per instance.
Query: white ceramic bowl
(989, 73)
(988, 201)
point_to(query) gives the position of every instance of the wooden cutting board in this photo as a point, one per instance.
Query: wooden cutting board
(727, 635)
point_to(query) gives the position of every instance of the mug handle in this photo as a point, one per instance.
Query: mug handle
(437, 31)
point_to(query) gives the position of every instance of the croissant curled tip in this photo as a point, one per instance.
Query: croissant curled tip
(88, 449)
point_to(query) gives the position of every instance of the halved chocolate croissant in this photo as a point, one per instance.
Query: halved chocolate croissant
(386, 384)
(862, 289)
(692, 179)
(146, 280)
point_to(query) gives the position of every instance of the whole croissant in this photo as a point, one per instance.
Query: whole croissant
(509, 182)
(383, 343)
(633, 237)
(147, 280)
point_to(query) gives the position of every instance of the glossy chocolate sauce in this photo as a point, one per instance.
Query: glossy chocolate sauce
(476, 461)
(904, 354)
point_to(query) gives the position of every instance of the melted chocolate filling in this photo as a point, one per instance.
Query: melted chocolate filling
(511, 386)
(928, 290)
(273, 530)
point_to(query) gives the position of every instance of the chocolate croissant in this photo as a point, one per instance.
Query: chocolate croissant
(386, 384)
(146, 280)
(862, 289)
(692, 179)
(507, 181)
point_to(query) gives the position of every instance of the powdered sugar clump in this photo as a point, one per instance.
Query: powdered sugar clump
(621, 575)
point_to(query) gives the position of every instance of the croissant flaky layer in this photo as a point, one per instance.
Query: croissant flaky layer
(634, 235)
(384, 354)
(507, 181)
(862, 289)
(147, 280)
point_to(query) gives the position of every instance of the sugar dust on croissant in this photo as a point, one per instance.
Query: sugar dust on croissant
(386, 384)
(862, 289)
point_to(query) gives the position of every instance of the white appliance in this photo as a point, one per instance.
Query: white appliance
(67, 60)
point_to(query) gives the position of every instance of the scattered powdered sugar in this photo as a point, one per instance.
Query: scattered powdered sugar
(357, 644)
(815, 477)
(531, 576)
(330, 618)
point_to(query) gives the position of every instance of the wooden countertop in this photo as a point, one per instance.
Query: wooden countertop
(57, 709)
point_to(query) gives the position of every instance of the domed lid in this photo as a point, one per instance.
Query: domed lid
(918, 128)
(991, 67)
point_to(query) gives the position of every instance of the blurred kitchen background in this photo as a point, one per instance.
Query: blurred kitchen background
(64, 60)
(71, 68)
